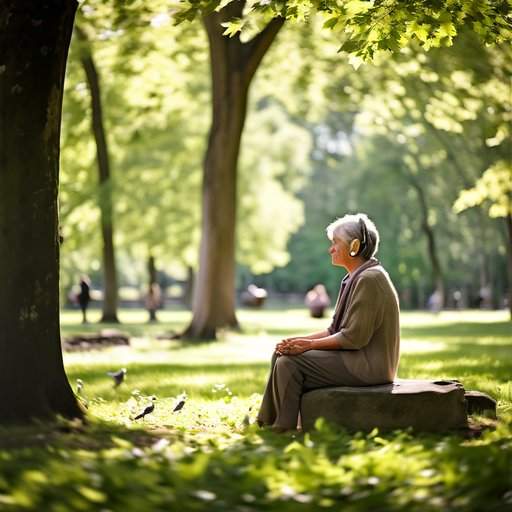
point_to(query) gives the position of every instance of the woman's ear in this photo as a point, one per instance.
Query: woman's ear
(355, 245)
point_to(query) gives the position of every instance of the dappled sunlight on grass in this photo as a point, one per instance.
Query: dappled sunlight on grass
(471, 346)
(418, 318)
(209, 456)
(411, 346)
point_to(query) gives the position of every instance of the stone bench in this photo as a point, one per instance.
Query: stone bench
(426, 406)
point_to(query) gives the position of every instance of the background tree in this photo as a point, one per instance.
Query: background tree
(152, 143)
(494, 188)
(157, 92)
(400, 124)
(105, 181)
(371, 27)
(233, 64)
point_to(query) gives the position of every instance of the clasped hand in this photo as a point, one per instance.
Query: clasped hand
(293, 346)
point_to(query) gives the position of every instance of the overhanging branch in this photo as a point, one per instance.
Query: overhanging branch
(255, 49)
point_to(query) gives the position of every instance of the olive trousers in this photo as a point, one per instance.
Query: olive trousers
(291, 376)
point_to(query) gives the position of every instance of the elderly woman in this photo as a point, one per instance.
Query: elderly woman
(361, 346)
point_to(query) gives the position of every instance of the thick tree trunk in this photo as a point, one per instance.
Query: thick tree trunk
(233, 65)
(34, 41)
(110, 298)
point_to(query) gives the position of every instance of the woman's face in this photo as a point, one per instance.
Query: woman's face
(339, 252)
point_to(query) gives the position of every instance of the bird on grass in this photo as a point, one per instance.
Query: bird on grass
(180, 405)
(148, 409)
(79, 394)
(180, 402)
(118, 376)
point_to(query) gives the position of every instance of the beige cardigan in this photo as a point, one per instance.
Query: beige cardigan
(370, 328)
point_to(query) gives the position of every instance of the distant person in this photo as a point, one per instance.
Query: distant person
(153, 301)
(457, 299)
(484, 297)
(317, 300)
(84, 296)
(361, 347)
(435, 302)
(254, 296)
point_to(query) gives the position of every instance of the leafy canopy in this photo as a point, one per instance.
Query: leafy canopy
(368, 27)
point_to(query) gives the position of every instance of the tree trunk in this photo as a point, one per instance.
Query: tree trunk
(152, 284)
(233, 65)
(437, 273)
(34, 41)
(152, 274)
(189, 288)
(508, 221)
(110, 298)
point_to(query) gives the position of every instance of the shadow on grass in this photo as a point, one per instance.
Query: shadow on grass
(93, 434)
(131, 471)
(137, 467)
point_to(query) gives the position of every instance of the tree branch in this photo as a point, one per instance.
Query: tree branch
(255, 49)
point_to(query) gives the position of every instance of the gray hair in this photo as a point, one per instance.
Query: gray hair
(350, 227)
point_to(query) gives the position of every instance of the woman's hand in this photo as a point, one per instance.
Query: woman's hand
(293, 346)
(292, 338)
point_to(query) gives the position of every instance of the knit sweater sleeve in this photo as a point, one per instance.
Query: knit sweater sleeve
(364, 314)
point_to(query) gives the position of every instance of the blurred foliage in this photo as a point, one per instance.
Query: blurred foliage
(431, 121)
(273, 168)
(368, 29)
(321, 140)
(495, 186)
(155, 87)
(206, 457)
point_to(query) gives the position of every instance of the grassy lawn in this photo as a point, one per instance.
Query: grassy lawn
(208, 456)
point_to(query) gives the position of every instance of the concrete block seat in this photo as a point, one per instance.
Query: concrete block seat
(424, 405)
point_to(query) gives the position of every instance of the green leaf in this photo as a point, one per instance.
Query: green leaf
(420, 31)
(447, 29)
(331, 22)
(92, 494)
(233, 27)
(350, 46)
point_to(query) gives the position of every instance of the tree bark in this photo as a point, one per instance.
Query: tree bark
(189, 288)
(110, 298)
(34, 41)
(152, 274)
(508, 222)
(233, 65)
(437, 273)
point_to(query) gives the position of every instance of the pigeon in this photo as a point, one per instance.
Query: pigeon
(117, 376)
(81, 398)
(148, 410)
(179, 405)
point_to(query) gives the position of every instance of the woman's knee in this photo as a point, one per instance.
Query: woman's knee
(287, 363)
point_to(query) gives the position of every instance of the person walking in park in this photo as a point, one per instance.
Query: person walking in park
(84, 296)
(362, 344)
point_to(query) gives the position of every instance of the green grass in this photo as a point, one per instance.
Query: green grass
(207, 458)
